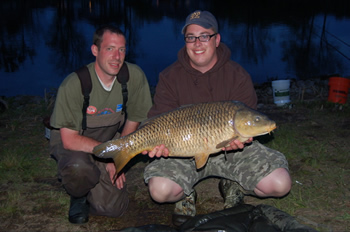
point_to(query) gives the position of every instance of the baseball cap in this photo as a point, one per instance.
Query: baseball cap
(202, 18)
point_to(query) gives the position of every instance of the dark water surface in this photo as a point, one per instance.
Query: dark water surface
(42, 41)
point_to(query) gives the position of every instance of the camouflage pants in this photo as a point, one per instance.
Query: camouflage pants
(247, 167)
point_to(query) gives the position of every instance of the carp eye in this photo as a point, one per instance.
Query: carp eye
(257, 119)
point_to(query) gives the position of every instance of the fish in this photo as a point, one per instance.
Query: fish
(193, 131)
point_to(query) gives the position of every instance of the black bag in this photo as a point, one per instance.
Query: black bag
(246, 218)
(241, 218)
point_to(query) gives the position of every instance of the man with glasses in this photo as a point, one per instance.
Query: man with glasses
(205, 73)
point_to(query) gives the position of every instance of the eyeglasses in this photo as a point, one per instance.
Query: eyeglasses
(201, 38)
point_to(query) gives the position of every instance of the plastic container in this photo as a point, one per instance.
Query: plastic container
(280, 89)
(338, 89)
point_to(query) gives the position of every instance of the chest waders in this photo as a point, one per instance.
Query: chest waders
(83, 174)
(86, 86)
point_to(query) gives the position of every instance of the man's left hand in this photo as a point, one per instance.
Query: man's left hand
(119, 181)
(158, 151)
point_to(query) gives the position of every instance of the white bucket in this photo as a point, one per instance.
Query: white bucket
(280, 89)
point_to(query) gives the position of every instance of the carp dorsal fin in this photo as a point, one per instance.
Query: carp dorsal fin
(201, 160)
(225, 143)
(143, 123)
(186, 105)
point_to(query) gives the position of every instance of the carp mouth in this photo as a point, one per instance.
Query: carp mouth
(268, 131)
(272, 128)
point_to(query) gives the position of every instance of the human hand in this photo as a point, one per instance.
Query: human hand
(236, 144)
(157, 151)
(117, 179)
(119, 182)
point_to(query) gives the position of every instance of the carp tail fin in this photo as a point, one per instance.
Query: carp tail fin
(122, 158)
(116, 150)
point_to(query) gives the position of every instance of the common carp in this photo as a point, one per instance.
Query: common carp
(196, 130)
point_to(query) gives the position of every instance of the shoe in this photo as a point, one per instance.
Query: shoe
(78, 210)
(232, 193)
(185, 209)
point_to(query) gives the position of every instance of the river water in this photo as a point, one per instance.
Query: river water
(43, 41)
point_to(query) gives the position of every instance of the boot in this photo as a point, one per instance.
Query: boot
(232, 193)
(184, 209)
(78, 210)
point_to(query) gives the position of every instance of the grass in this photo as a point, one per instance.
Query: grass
(314, 137)
(21, 162)
(10, 206)
(319, 161)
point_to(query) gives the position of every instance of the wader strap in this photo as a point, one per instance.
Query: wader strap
(86, 86)
(123, 78)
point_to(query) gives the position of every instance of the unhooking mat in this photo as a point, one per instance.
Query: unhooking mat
(241, 218)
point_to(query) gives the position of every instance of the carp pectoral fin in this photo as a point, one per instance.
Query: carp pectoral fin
(225, 143)
(201, 160)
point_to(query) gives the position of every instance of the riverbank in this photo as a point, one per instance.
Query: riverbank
(300, 90)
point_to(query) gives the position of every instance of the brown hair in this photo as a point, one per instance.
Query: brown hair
(97, 39)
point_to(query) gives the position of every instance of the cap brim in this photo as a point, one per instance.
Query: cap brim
(205, 25)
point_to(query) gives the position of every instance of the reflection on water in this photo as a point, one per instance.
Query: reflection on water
(44, 40)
